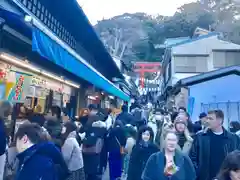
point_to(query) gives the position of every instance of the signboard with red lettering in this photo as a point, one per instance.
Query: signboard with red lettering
(18, 89)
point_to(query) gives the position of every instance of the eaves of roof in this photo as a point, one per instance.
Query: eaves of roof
(196, 39)
(209, 76)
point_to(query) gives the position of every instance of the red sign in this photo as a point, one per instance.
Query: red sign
(19, 87)
(2, 75)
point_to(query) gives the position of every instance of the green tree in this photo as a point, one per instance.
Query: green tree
(132, 37)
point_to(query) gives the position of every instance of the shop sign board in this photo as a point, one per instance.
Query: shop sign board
(90, 91)
(16, 88)
(38, 81)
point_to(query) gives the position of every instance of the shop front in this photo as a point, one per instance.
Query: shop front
(93, 96)
(22, 85)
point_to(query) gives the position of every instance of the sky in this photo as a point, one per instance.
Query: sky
(99, 9)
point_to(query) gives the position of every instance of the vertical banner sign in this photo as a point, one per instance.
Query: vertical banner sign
(2, 83)
(191, 101)
(17, 91)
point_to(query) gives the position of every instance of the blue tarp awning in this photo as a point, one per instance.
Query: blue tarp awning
(55, 53)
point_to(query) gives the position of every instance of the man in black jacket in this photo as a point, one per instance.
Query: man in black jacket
(210, 147)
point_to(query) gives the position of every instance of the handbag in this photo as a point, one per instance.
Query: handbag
(121, 147)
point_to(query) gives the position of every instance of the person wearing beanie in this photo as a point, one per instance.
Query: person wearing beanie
(184, 138)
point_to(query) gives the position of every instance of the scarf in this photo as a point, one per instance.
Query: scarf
(181, 139)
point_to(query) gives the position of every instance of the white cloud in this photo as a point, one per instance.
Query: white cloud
(99, 9)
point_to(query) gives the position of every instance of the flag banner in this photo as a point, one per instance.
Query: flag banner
(16, 88)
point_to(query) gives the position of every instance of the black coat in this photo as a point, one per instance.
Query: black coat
(126, 118)
(37, 118)
(197, 126)
(138, 160)
(41, 161)
(116, 139)
(3, 137)
(200, 151)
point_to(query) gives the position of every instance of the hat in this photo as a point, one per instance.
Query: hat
(180, 121)
(202, 115)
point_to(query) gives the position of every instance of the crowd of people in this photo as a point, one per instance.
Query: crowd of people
(143, 144)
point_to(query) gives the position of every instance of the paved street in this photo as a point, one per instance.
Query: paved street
(106, 175)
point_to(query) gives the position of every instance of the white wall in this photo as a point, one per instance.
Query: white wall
(219, 90)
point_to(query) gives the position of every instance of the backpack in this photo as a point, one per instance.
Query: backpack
(137, 114)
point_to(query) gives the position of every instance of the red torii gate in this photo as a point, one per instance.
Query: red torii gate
(143, 67)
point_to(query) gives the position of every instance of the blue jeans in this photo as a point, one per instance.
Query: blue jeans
(126, 163)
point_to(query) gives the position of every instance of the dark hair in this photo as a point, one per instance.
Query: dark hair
(124, 108)
(130, 131)
(235, 126)
(118, 123)
(92, 107)
(56, 110)
(70, 127)
(182, 108)
(202, 115)
(144, 129)
(32, 130)
(218, 113)
(231, 163)
(174, 116)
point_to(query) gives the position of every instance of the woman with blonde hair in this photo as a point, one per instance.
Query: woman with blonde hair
(169, 163)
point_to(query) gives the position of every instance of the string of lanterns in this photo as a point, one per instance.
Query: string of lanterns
(144, 91)
(149, 81)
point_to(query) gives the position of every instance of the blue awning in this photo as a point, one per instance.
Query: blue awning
(55, 53)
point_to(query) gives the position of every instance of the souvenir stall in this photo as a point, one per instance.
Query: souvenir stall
(23, 86)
